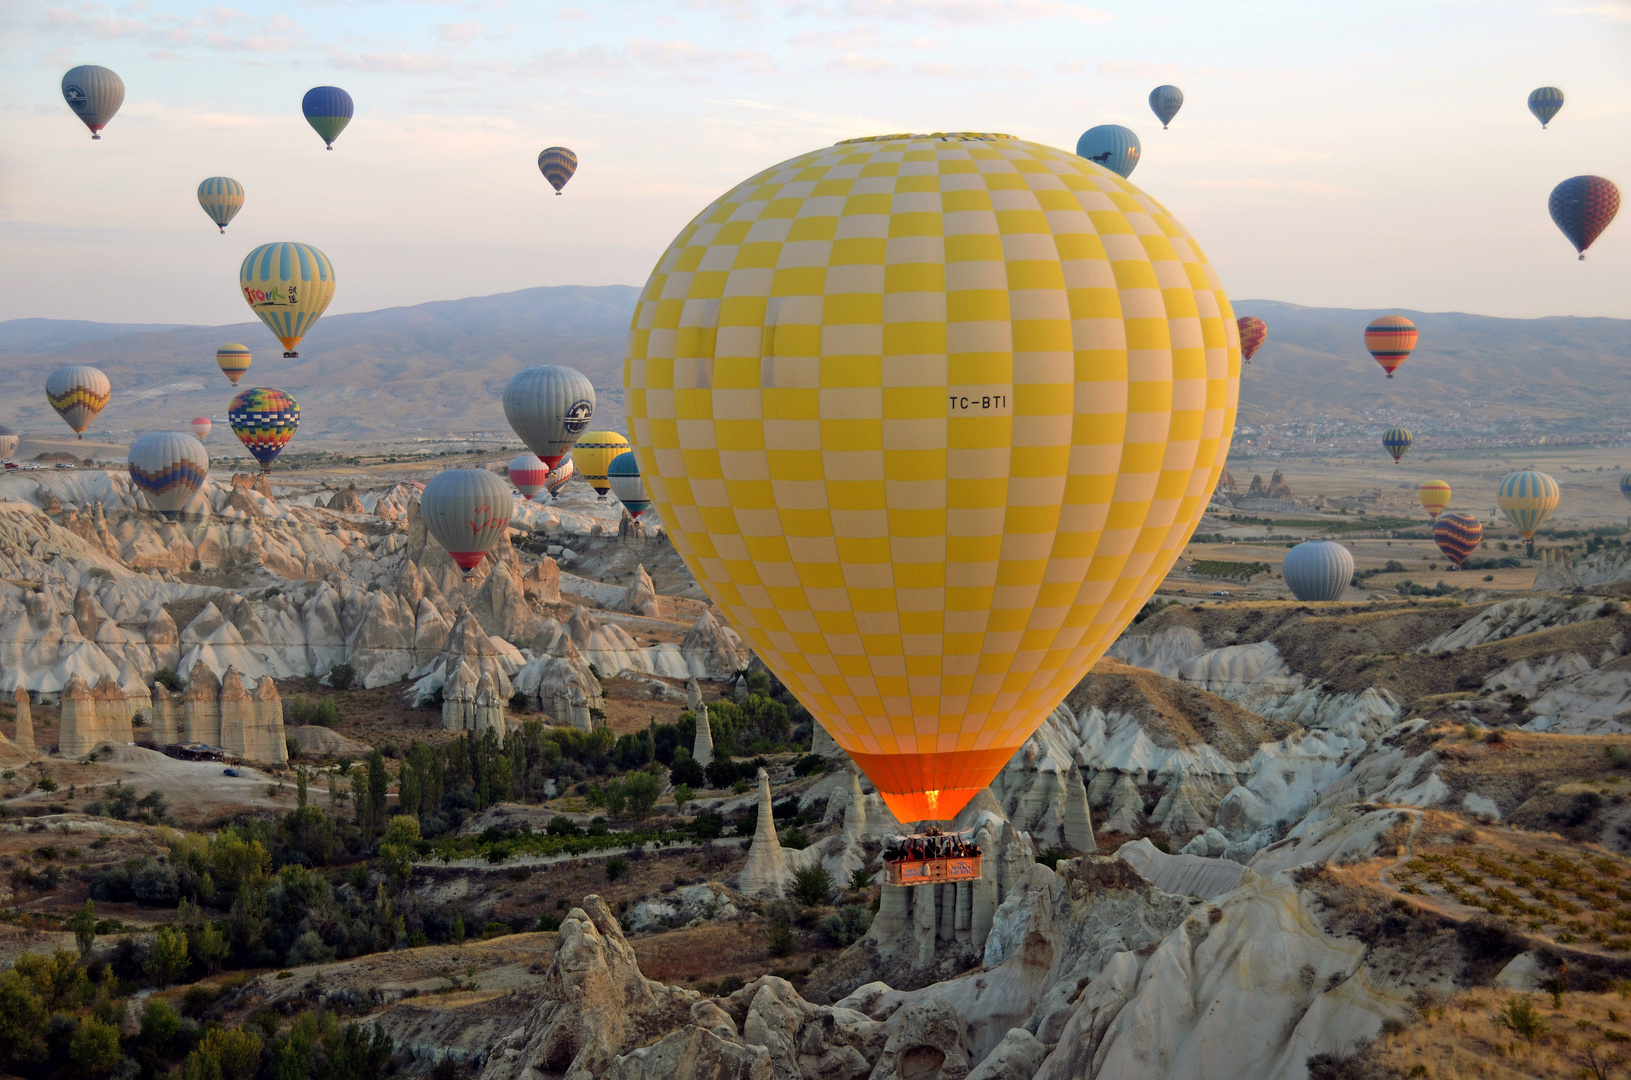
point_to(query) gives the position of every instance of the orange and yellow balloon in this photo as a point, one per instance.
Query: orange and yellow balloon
(1434, 496)
(929, 417)
(593, 454)
(233, 360)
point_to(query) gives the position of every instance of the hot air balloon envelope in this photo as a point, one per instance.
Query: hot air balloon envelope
(1253, 332)
(328, 110)
(467, 511)
(1390, 340)
(557, 163)
(1527, 498)
(624, 475)
(1582, 207)
(1396, 441)
(559, 475)
(170, 467)
(233, 361)
(1434, 496)
(594, 452)
(200, 427)
(1165, 101)
(8, 442)
(1318, 570)
(1625, 485)
(549, 407)
(1110, 145)
(1544, 103)
(95, 94)
(78, 393)
(527, 473)
(264, 421)
(1457, 535)
(919, 507)
(288, 286)
(221, 197)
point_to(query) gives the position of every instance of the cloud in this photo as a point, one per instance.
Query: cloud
(399, 63)
(870, 65)
(954, 12)
(1257, 183)
(847, 41)
(1125, 69)
(1605, 12)
(926, 43)
(967, 71)
(460, 33)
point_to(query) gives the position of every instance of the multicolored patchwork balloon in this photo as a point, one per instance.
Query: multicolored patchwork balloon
(169, 467)
(1396, 441)
(264, 421)
(288, 286)
(1457, 534)
(1434, 496)
(221, 197)
(78, 393)
(929, 478)
(328, 110)
(1390, 340)
(1583, 206)
(1527, 498)
(557, 163)
(1253, 332)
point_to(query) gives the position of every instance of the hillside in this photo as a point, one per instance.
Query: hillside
(439, 367)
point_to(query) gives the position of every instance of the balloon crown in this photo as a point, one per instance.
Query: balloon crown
(959, 136)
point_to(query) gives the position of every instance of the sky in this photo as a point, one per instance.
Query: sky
(1374, 154)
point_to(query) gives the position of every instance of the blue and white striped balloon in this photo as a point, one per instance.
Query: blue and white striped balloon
(221, 197)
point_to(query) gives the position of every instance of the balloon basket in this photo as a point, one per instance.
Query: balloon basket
(295, 355)
(932, 871)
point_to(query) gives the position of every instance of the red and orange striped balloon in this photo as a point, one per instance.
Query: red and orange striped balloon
(1457, 534)
(1390, 340)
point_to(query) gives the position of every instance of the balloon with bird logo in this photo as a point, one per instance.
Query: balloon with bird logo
(1582, 207)
(557, 163)
(288, 286)
(1457, 534)
(200, 427)
(233, 360)
(264, 420)
(328, 110)
(1253, 332)
(1545, 103)
(594, 452)
(169, 467)
(1396, 441)
(95, 94)
(1165, 101)
(549, 407)
(78, 393)
(221, 197)
(624, 475)
(1390, 339)
(930, 511)
(1434, 496)
(467, 511)
(1527, 498)
(527, 473)
(1110, 145)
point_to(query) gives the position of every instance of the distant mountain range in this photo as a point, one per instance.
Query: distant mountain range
(440, 367)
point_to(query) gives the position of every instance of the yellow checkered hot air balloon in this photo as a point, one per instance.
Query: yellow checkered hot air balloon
(929, 417)
(594, 452)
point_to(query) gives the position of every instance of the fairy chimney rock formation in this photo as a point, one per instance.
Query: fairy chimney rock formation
(267, 741)
(543, 582)
(855, 811)
(25, 720)
(693, 694)
(766, 871)
(164, 725)
(702, 749)
(641, 595)
(201, 706)
(1078, 824)
(91, 716)
(346, 501)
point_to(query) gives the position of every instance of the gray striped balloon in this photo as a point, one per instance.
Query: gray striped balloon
(170, 467)
(95, 94)
(1318, 570)
(8, 441)
(467, 511)
(549, 407)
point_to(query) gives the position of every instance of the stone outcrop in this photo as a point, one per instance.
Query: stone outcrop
(201, 706)
(702, 746)
(163, 723)
(713, 650)
(641, 597)
(542, 583)
(471, 701)
(766, 872)
(346, 501)
(24, 736)
(92, 715)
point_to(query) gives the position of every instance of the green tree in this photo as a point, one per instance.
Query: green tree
(378, 786)
(301, 778)
(396, 851)
(224, 1054)
(160, 1024)
(167, 963)
(53, 978)
(682, 795)
(84, 924)
(22, 1019)
(812, 885)
(640, 793)
(458, 929)
(94, 1049)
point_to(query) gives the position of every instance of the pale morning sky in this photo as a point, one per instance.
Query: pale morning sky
(1347, 154)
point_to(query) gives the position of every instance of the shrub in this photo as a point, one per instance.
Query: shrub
(812, 886)
(1521, 1018)
(685, 770)
(168, 960)
(167, 678)
(809, 765)
(342, 676)
(308, 948)
(859, 878)
(640, 793)
(847, 925)
(46, 784)
(708, 826)
(682, 795)
(94, 1049)
(616, 868)
(795, 840)
(780, 939)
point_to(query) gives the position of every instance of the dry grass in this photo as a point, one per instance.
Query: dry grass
(721, 951)
(1458, 1040)
(1175, 713)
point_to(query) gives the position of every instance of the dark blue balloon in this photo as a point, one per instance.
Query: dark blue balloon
(328, 110)
(1110, 145)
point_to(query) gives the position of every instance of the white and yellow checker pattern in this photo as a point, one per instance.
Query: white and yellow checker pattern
(929, 417)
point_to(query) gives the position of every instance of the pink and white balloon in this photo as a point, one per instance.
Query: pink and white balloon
(200, 427)
(527, 473)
